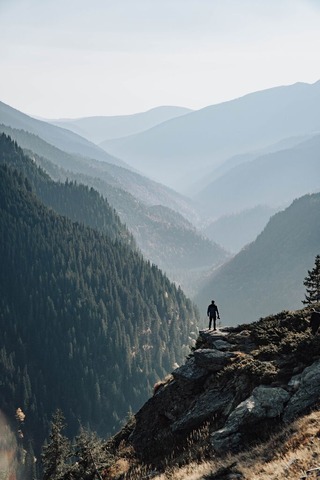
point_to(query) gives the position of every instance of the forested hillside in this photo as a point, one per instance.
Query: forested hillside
(87, 325)
(150, 211)
(76, 201)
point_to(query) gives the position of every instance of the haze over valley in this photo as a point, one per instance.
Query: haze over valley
(156, 156)
(274, 162)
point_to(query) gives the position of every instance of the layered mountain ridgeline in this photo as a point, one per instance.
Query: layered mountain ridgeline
(164, 236)
(59, 137)
(236, 395)
(234, 231)
(145, 190)
(180, 151)
(102, 128)
(267, 275)
(274, 179)
(87, 325)
(77, 202)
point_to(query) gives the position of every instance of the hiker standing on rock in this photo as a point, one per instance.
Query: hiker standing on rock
(213, 314)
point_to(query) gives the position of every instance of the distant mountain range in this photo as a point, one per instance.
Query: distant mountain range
(56, 136)
(177, 151)
(273, 179)
(236, 230)
(100, 129)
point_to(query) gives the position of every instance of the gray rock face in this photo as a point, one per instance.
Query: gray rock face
(190, 372)
(212, 360)
(208, 404)
(265, 402)
(308, 392)
(222, 345)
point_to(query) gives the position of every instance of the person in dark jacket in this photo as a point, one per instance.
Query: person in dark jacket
(213, 314)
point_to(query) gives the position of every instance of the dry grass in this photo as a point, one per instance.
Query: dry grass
(289, 455)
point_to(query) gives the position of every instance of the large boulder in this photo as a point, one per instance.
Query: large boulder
(307, 394)
(190, 372)
(264, 403)
(208, 404)
(222, 345)
(212, 360)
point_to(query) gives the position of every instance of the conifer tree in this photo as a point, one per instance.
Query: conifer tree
(56, 453)
(93, 458)
(312, 284)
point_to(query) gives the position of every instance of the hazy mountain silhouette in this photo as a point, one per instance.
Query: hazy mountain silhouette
(236, 230)
(59, 137)
(274, 179)
(267, 276)
(176, 152)
(98, 129)
(210, 175)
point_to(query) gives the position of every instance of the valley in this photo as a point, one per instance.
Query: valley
(116, 233)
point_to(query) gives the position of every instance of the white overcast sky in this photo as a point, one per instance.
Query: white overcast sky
(73, 58)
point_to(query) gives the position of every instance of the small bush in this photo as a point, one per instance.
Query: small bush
(258, 372)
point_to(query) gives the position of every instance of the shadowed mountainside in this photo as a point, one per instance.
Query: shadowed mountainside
(81, 311)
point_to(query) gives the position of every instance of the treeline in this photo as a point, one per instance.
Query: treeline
(87, 325)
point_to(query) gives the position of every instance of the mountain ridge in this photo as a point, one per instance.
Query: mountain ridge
(252, 122)
(59, 137)
(99, 129)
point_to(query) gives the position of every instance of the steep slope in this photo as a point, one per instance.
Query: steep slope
(77, 202)
(100, 129)
(59, 137)
(142, 188)
(86, 324)
(176, 152)
(267, 276)
(165, 237)
(237, 230)
(275, 179)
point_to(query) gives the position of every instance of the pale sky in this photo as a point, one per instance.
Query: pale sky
(75, 58)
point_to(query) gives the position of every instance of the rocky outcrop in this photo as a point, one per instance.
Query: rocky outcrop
(190, 372)
(212, 360)
(264, 403)
(237, 383)
(307, 395)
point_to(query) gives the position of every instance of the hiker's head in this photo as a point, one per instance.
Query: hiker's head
(212, 301)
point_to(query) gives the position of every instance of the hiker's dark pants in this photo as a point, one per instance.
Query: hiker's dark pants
(214, 318)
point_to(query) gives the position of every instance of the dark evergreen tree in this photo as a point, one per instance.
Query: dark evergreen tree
(56, 454)
(92, 457)
(312, 284)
